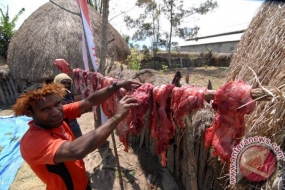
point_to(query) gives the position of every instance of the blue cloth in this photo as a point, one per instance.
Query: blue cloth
(11, 131)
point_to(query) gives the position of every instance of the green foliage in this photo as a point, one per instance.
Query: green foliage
(148, 24)
(7, 30)
(146, 51)
(127, 38)
(164, 68)
(135, 59)
(193, 56)
(97, 5)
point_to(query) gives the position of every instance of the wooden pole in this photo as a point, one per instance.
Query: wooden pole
(118, 162)
(192, 164)
(257, 94)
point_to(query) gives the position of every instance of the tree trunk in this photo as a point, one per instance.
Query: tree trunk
(170, 35)
(104, 41)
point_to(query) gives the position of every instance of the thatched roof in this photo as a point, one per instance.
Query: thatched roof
(2, 60)
(260, 57)
(55, 31)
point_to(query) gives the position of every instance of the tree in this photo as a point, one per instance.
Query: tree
(7, 30)
(97, 5)
(127, 38)
(104, 42)
(148, 24)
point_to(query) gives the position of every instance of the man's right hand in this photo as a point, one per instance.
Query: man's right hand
(124, 106)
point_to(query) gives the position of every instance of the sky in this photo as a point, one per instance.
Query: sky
(230, 15)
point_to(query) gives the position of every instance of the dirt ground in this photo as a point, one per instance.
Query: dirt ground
(137, 165)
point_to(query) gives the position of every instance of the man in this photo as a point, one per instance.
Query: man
(49, 146)
(66, 81)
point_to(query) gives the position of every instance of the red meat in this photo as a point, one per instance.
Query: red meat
(109, 106)
(162, 128)
(62, 65)
(185, 99)
(229, 125)
(134, 122)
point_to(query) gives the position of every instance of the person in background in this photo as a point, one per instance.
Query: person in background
(49, 147)
(66, 81)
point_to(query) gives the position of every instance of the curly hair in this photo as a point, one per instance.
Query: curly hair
(31, 96)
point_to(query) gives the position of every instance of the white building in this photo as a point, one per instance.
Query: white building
(221, 43)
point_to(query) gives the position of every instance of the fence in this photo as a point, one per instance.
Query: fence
(200, 60)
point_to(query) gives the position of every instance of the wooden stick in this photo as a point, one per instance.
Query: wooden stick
(256, 93)
(191, 157)
(117, 157)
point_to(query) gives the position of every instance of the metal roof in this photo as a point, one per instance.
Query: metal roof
(211, 40)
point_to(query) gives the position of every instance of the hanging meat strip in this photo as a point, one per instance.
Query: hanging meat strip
(162, 128)
(62, 65)
(185, 99)
(144, 95)
(229, 125)
(108, 106)
(134, 122)
(86, 82)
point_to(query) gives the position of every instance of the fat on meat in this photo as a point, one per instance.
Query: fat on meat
(232, 102)
(134, 122)
(185, 99)
(162, 128)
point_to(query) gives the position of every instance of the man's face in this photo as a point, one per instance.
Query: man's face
(48, 112)
(66, 83)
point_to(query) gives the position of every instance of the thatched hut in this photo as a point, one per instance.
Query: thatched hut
(55, 31)
(260, 60)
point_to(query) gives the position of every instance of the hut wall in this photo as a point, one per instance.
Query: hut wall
(10, 89)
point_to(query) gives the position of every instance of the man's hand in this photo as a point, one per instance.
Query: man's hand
(128, 85)
(124, 106)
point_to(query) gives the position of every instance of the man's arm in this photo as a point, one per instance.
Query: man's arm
(80, 147)
(103, 94)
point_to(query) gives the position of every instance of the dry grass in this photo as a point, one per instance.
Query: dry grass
(260, 60)
(55, 31)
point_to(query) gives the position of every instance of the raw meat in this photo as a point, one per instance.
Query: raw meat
(185, 99)
(62, 65)
(229, 125)
(162, 128)
(134, 122)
